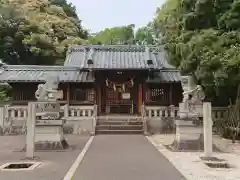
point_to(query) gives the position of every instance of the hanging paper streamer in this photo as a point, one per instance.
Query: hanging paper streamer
(132, 82)
(107, 82)
(123, 86)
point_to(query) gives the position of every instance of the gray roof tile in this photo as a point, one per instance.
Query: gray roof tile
(116, 57)
(167, 75)
(23, 73)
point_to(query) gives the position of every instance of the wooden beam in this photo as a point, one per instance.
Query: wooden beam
(171, 94)
(99, 99)
(68, 93)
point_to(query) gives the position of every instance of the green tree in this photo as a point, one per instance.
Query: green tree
(202, 39)
(144, 35)
(38, 32)
(115, 35)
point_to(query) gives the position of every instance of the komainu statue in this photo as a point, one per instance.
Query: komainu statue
(195, 95)
(49, 91)
(189, 131)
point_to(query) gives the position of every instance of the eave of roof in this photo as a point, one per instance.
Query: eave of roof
(31, 73)
(166, 76)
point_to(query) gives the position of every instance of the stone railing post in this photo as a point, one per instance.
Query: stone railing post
(94, 116)
(144, 119)
(31, 120)
(2, 117)
(172, 111)
(66, 111)
(207, 128)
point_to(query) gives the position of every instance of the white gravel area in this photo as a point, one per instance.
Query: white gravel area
(192, 167)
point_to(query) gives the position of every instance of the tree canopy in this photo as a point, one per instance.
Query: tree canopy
(124, 35)
(202, 38)
(115, 35)
(38, 31)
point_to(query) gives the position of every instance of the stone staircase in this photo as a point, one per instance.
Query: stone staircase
(118, 124)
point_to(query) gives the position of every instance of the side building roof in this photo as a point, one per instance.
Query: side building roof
(167, 75)
(32, 73)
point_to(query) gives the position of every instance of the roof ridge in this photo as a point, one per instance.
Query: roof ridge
(169, 70)
(40, 68)
(120, 47)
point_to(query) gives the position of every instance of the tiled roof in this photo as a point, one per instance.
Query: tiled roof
(23, 73)
(167, 75)
(116, 57)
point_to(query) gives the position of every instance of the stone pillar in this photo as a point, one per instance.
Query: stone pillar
(66, 111)
(31, 120)
(207, 124)
(2, 115)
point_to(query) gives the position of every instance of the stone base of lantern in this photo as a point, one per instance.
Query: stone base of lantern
(50, 137)
(189, 135)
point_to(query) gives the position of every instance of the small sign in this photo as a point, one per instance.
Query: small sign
(126, 95)
(50, 109)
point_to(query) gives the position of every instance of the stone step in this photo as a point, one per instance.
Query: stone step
(119, 131)
(103, 122)
(120, 118)
(119, 127)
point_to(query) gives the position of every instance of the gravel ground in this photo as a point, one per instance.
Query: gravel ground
(190, 165)
(224, 145)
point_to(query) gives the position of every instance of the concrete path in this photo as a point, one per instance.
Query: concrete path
(124, 157)
(54, 165)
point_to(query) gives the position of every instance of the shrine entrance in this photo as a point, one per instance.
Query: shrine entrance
(119, 96)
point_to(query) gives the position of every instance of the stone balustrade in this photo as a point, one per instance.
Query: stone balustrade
(161, 118)
(78, 118)
(74, 112)
(160, 111)
(83, 118)
(218, 113)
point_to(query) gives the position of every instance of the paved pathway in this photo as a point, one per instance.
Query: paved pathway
(124, 157)
(54, 164)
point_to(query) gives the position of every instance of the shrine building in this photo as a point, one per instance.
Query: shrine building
(119, 79)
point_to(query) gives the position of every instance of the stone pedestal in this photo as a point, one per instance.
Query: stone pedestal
(50, 136)
(189, 135)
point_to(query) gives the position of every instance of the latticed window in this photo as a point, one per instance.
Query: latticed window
(84, 95)
(157, 95)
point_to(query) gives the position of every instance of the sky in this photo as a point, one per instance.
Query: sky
(99, 14)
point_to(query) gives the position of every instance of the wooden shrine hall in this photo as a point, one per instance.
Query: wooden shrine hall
(117, 78)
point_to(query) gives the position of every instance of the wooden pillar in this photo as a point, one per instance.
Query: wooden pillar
(140, 98)
(99, 99)
(68, 93)
(146, 93)
(171, 94)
